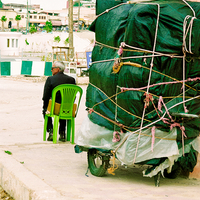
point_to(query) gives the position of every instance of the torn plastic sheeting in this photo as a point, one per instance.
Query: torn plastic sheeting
(168, 163)
(94, 136)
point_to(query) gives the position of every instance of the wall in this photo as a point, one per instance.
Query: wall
(32, 68)
(10, 43)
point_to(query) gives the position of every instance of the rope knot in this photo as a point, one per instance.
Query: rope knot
(91, 110)
(123, 44)
(120, 51)
(123, 89)
(117, 65)
(148, 98)
(116, 136)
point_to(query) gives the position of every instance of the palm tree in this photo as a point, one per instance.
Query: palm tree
(3, 19)
(18, 18)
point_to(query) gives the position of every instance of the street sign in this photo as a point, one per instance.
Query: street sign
(88, 58)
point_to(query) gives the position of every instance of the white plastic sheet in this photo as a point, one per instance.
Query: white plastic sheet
(93, 135)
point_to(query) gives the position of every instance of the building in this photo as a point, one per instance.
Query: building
(9, 43)
(10, 15)
(34, 15)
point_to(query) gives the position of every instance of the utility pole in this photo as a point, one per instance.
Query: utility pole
(70, 22)
(79, 4)
(27, 20)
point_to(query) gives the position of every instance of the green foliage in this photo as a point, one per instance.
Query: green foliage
(66, 41)
(57, 39)
(32, 29)
(3, 19)
(13, 30)
(8, 152)
(26, 41)
(48, 58)
(18, 17)
(76, 4)
(48, 26)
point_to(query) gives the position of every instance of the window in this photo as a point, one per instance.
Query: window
(22, 16)
(30, 16)
(8, 42)
(13, 42)
(16, 43)
(35, 17)
(44, 17)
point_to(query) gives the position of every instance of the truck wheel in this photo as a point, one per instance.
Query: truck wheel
(97, 163)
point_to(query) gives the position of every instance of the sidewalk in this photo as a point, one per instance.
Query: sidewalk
(38, 170)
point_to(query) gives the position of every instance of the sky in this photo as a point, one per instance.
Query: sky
(45, 4)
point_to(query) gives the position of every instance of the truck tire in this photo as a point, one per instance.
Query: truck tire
(97, 163)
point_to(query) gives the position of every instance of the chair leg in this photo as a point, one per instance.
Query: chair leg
(68, 129)
(55, 129)
(45, 127)
(73, 130)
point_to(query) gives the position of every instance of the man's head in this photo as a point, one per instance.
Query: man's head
(58, 66)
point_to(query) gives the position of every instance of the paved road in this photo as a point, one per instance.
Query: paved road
(43, 170)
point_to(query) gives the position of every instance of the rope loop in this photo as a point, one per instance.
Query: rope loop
(186, 30)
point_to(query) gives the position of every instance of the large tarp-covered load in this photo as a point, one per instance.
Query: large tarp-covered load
(145, 68)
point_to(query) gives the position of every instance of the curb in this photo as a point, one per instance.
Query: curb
(21, 184)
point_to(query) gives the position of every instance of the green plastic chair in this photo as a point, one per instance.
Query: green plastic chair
(68, 95)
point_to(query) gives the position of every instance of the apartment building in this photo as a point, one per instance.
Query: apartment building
(38, 17)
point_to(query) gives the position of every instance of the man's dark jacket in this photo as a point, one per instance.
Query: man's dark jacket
(51, 83)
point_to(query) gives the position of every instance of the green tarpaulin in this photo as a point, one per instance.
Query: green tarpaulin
(161, 50)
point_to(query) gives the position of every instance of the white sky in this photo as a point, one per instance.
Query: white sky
(45, 4)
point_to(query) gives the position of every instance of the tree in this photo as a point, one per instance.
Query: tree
(48, 26)
(33, 29)
(66, 41)
(57, 39)
(18, 18)
(3, 19)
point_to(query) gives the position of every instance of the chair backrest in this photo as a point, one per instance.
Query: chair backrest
(68, 94)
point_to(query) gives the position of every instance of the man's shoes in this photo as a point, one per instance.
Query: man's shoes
(62, 137)
(50, 138)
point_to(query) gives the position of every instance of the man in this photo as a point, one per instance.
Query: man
(58, 78)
